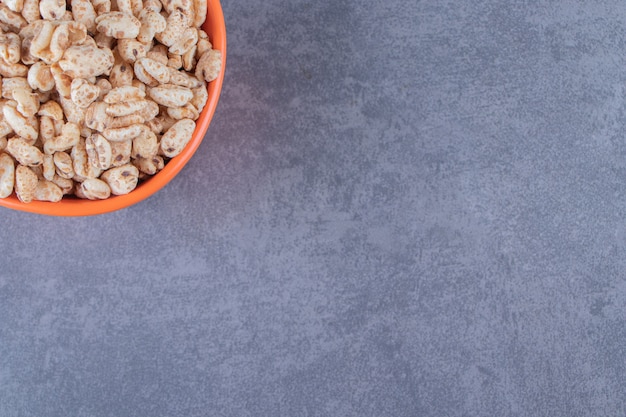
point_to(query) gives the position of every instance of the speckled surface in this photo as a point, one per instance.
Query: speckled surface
(401, 209)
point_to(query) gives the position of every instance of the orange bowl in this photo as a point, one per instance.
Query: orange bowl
(215, 27)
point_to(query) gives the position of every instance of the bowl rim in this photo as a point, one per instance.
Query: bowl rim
(72, 207)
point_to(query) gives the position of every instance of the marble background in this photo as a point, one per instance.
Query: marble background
(400, 209)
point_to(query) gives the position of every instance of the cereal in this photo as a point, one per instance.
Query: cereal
(175, 26)
(62, 81)
(185, 43)
(121, 134)
(25, 183)
(184, 79)
(83, 93)
(47, 191)
(99, 151)
(83, 12)
(48, 167)
(46, 129)
(40, 77)
(7, 175)
(69, 137)
(101, 6)
(150, 166)
(177, 137)
(82, 168)
(174, 61)
(170, 95)
(125, 108)
(72, 112)
(51, 109)
(25, 127)
(10, 47)
(11, 84)
(65, 184)
(27, 101)
(63, 165)
(14, 5)
(199, 7)
(143, 76)
(209, 64)
(158, 71)
(122, 179)
(187, 112)
(120, 152)
(125, 93)
(200, 97)
(189, 58)
(24, 153)
(52, 9)
(151, 23)
(118, 25)
(94, 189)
(14, 21)
(98, 95)
(12, 70)
(30, 10)
(145, 145)
(131, 50)
(84, 61)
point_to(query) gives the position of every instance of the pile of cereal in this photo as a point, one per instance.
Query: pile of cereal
(98, 94)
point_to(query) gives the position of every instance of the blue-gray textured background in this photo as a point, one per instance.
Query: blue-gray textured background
(402, 208)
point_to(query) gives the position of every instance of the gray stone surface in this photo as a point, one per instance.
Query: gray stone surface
(401, 209)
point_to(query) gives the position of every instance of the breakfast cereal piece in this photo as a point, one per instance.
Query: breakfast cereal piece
(25, 183)
(27, 101)
(176, 23)
(176, 137)
(118, 24)
(24, 153)
(84, 12)
(200, 9)
(26, 127)
(52, 9)
(14, 5)
(82, 168)
(170, 95)
(86, 61)
(125, 108)
(30, 10)
(48, 167)
(124, 133)
(149, 166)
(99, 151)
(120, 152)
(69, 137)
(47, 191)
(13, 20)
(145, 145)
(158, 71)
(40, 77)
(10, 47)
(125, 93)
(63, 165)
(83, 93)
(93, 189)
(131, 50)
(122, 179)
(7, 175)
(151, 23)
(209, 65)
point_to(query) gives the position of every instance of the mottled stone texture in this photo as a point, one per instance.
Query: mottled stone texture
(402, 208)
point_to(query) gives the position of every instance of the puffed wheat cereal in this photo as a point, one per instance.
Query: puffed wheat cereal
(98, 95)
